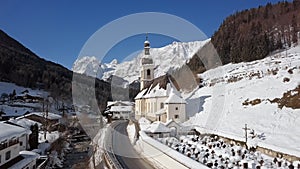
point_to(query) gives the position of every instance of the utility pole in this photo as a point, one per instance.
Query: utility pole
(246, 134)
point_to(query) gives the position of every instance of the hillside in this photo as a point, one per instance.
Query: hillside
(252, 34)
(22, 67)
(263, 94)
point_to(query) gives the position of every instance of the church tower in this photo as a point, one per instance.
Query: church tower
(147, 71)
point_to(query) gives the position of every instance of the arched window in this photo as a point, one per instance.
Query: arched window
(148, 72)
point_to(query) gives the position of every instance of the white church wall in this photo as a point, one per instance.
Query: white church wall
(176, 112)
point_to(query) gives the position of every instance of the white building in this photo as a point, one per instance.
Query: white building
(120, 109)
(158, 130)
(121, 112)
(13, 142)
(156, 102)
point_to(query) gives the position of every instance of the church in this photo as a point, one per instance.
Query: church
(157, 101)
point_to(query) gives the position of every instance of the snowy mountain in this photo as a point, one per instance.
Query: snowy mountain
(263, 94)
(90, 65)
(165, 58)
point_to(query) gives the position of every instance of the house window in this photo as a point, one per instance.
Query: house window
(176, 108)
(21, 143)
(176, 116)
(3, 145)
(161, 105)
(0, 159)
(7, 155)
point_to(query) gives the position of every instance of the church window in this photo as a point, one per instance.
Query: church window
(176, 116)
(161, 105)
(148, 72)
(176, 108)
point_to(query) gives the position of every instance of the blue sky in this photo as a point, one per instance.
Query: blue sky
(57, 30)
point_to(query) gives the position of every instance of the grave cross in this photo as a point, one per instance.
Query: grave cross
(246, 134)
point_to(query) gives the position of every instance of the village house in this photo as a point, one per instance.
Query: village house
(13, 146)
(120, 109)
(158, 130)
(155, 102)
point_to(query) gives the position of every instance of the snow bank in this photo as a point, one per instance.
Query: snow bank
(131, 133)
(98, 144)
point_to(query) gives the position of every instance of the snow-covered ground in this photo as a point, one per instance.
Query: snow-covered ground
(168, 57)
(19, 107)
(9, 87)
(10, 110)
(218, 106)
(50, 136)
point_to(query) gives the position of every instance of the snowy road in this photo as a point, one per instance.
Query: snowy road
(123, 150)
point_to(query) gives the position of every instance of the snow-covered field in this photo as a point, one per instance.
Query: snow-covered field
(18, 107)
(168, 57)
(9, 87)
(218, 106)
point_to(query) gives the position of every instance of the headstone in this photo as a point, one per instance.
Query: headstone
(291, 166)
(279, 163)
(210, 164)
(275, 160)
(253, 165)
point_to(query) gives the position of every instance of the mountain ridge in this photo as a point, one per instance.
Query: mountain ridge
(167, 58)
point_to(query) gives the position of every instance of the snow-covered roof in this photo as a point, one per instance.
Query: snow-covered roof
(161, 111)
(156, 92)
(121, 109)
(24, 122)
(140, 94)
(158, 127)
(171, 121)
(28, 157)
(174, 99)
(9, 131)
(143, 120)
(111, 103)
(51, 116)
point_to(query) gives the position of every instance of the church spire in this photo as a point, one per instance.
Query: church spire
(147, 66)
(147, 46)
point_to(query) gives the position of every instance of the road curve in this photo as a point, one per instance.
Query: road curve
(123, 149)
